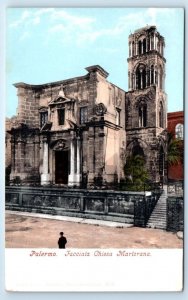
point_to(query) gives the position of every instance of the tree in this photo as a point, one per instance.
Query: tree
(135, 172)
(175, 150)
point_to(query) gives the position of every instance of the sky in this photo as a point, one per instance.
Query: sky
(51, 44)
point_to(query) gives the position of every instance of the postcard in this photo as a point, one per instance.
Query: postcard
(94, 149)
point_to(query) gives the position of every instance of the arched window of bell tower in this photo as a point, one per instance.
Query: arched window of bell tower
(133, 49)
(156, 75)
(140, 47)
(152, 42)
(141, 77)
(160, 78)
(148, 77)
(144, 45)
(158, 46)
(148, 44)
(161, 115)
(142, 115)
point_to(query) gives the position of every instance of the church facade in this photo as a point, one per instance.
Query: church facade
(79, 131)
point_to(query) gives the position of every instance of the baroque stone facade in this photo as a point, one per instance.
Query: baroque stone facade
(79, 131)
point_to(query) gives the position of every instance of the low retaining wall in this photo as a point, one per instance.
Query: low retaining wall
(96, 204)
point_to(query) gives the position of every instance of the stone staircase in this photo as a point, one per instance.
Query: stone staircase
(158, 218)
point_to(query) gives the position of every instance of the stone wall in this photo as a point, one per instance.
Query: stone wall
(128, 207)
(95, 204)
(28, 105)
(25, 155)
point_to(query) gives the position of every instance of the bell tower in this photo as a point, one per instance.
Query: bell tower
(146, 107)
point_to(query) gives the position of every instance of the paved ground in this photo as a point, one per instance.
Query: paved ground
(31, 231)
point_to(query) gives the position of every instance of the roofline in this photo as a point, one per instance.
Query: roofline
(180, 112)
(49, 84)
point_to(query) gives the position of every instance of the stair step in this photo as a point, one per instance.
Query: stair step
(161, 223)
(160, 210)
(158, 222)
(158, 218)
(159, 213)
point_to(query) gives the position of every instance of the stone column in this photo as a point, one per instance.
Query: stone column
(45, 176)
(71, 181)
(78, 176)
(142, 118)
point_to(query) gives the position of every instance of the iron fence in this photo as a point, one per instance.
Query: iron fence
(175, 213)
(175, 187)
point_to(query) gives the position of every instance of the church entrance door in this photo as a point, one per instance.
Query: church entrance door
(61, 167)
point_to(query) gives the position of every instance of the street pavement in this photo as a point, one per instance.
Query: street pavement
(29, 230)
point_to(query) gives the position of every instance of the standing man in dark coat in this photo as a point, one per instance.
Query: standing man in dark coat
(62, 241)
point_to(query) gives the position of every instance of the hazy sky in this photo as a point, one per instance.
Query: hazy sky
(51, 44)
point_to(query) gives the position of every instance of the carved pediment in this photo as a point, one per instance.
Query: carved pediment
(60, 100)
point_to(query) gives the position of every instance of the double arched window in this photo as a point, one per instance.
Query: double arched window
(142, 114)
(141, 77)
(142, 46)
